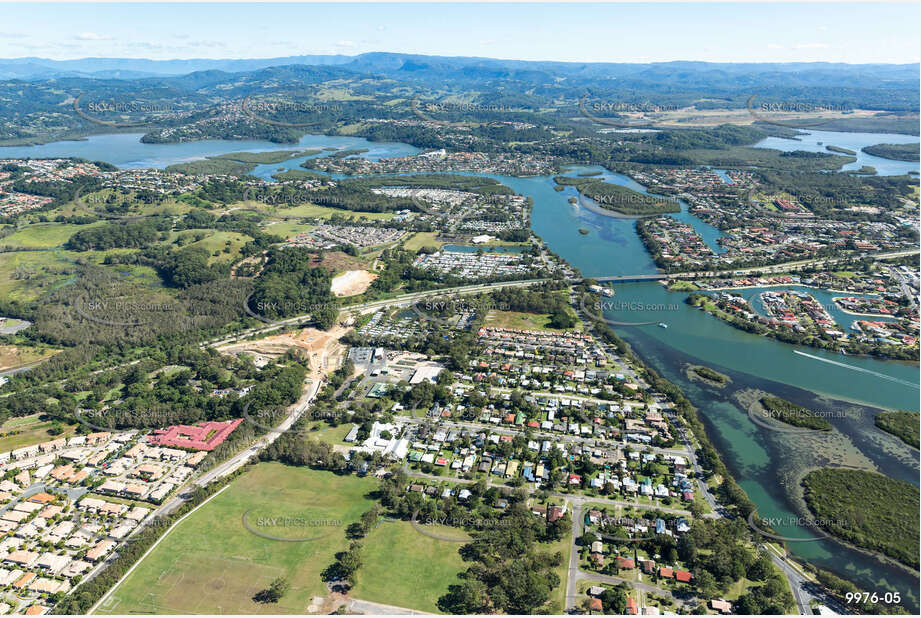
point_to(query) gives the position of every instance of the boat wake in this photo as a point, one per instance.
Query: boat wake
(860, 369)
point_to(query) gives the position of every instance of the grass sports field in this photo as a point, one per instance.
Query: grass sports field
(405, 568)
(288, 230)
(210, 563)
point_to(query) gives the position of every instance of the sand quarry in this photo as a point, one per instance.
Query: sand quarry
(352, 282)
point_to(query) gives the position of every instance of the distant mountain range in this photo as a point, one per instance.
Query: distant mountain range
(132, 68)
(473, 68)
(38, 96)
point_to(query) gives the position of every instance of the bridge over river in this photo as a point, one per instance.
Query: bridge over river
(631, 278)
(766, 269)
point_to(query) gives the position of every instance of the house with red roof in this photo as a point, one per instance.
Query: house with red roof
(625, 563)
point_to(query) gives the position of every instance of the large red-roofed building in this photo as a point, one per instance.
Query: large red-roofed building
(201, 437)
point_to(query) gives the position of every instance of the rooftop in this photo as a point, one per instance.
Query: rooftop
(201, 437)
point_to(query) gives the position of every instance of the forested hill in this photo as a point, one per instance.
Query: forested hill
(811, 74)
(204, 98)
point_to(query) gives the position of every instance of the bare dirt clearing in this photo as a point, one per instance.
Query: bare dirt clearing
(322, 348)
(12, 357)
(352, 282)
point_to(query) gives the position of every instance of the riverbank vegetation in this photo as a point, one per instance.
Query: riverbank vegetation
(212, 165)
(867, 509)
(262, 158)
(840, 150)
(792, 414)
(839, 589)
(896, 152)
(902, 424)
(620, 199)
(679, 285)
(709, 375)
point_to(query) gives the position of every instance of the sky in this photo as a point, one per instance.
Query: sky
(717, 32)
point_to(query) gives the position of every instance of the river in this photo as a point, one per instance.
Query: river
(816, 141)
(126, 151)
(707, 232)
(767, 463)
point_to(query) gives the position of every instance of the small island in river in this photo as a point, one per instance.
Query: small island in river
(708, 376)
(896, 152)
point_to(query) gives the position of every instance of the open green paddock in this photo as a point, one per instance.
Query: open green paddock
(211, 564)
(44, 235)
(405, 568)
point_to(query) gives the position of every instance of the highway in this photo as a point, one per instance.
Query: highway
(903, 285)
(799, 584)
(398, 301)
(240, 459)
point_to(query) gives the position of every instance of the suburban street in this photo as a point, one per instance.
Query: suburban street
(318, 308)
(798, 583)
(543, 435)
(789, 266)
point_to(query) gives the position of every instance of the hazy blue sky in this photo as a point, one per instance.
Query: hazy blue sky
(849, 32)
